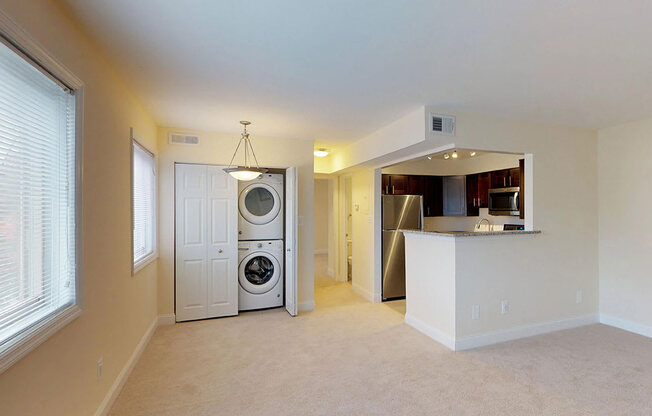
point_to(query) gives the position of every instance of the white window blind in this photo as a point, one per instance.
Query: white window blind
(144, 204)
(37, 198)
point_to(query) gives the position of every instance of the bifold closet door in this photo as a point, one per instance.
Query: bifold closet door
(206, 242)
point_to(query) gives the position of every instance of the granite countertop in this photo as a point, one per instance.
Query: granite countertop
(470, 233)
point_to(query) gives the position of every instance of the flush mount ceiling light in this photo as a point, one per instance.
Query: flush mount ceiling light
(473, 154)
(455, 155)
(321, 152)
(245, 172)
(447, 156)
(429, 157)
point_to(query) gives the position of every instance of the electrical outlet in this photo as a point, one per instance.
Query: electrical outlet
(578, 296)
(475, 312)
(100, 367)
(504, 307)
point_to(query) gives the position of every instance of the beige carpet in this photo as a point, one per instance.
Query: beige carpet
(351, 357)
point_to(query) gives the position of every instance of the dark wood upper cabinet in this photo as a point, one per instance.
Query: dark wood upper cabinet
(433, 198)
(499, 178)
(398, 184)
(521, 184)
(415, 185)
(472, 203)
(514, 177)
(484, 184)
(385, 189)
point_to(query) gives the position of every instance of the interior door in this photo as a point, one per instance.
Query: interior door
(291, 198)
(206, 279)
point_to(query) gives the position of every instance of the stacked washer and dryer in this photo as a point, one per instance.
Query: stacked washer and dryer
(260, 245)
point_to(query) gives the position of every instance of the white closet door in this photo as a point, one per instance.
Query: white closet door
(222, 265)
(205, 243)
(291, 284)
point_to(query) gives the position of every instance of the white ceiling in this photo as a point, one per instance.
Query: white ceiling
(336, 70)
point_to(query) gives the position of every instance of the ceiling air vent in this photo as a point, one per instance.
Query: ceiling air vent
(442, 124)
(187, 139)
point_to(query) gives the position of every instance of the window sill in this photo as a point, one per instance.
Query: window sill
(144, 262)
(36, 335)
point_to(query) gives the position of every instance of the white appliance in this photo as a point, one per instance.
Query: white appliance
(260, 274)
(260, 204)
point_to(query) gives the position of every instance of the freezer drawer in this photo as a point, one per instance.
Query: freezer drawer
(393, 265)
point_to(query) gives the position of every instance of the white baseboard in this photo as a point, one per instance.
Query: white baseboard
(626, 325)
(306, 306)
(120, 381)
(428, 330)
(371, 297)
(321, 251)
(167, 319)
(496, 337)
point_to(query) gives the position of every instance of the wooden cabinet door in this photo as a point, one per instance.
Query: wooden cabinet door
(499, 178)
(472, 207)
(454, 195)
(432, 196)
(484, 183)
(415, 185)
(385, 189)
(521, 184)
(398, 184)
(514, 177)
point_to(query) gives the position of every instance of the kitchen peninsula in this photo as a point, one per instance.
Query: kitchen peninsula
(460, 286)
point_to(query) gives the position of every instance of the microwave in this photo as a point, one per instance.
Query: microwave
(504, 201)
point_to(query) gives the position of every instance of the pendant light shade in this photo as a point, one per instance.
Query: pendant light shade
(245, 172)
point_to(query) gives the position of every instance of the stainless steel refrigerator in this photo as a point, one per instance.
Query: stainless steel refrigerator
(399, 212)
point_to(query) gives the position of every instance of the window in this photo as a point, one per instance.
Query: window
(143, 166)
(38, 199)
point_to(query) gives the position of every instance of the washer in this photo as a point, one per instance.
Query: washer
(260, 207)
(260, 274)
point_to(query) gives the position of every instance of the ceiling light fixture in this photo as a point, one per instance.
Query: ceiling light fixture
(246, 172)
(455, 154)
(473, 154)
(447, 156)
(429, 157)
(321, 152)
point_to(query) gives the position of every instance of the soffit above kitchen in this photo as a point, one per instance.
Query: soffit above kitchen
(336, 71)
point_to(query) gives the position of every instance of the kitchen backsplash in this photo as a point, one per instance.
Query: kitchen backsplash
(466, 223)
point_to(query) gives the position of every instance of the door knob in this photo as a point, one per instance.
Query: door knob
(289, 250)
(220, 250)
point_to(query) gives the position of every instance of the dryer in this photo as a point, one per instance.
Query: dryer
(260, 206)
(260, 274)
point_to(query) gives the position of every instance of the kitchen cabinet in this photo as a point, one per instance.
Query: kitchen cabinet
(484, 183)
(385, 184)
(398, 185)
(454, 191)
(415, 185)
(505, 178)
(432, 196)
(472, 206)
(521, 184)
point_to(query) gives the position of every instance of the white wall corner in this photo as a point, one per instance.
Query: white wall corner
(321, 251)
(626, 325)
(430, 331)
(166, 319)
(496, 337)
(307, 306)
(368, 295)
(120, 381)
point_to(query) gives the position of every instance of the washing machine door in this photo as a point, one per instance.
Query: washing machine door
(259, 272)
(259, 203)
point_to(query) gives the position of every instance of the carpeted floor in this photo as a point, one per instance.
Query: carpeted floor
(351, 357)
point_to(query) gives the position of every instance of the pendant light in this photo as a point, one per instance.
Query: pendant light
(246, 172)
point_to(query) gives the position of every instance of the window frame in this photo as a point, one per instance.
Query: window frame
(151, 257)
(16, 38)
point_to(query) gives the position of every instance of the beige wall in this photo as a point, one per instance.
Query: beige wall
(217, 148)
(59, 377)
(322, 213)
(625, 223)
